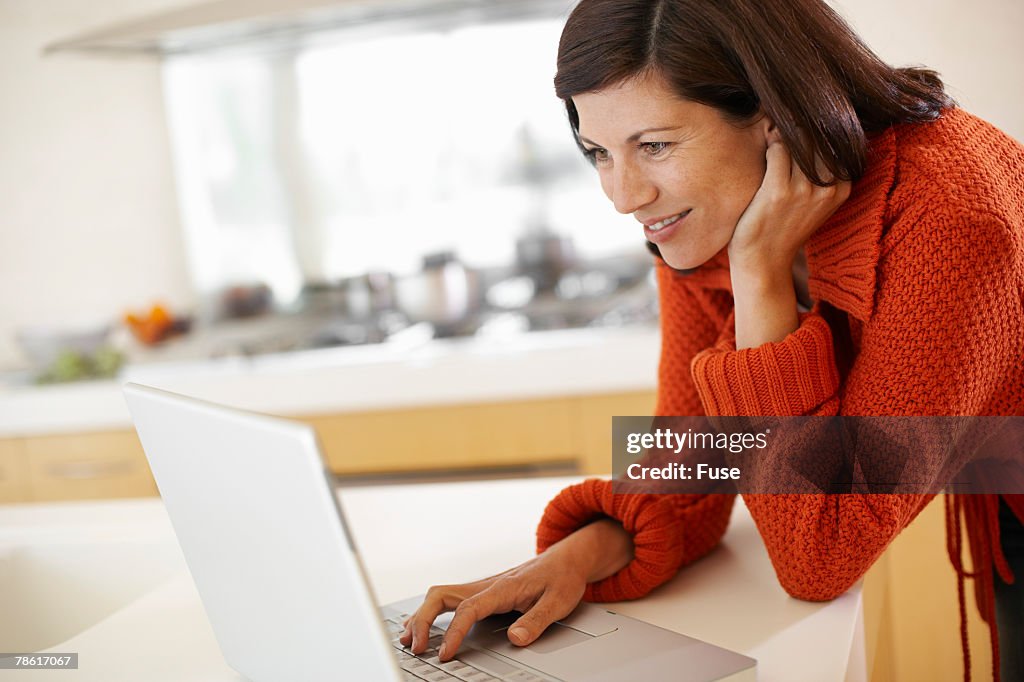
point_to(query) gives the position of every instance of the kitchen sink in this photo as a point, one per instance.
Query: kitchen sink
(54, 590)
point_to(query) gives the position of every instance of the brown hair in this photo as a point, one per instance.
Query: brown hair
(796, 60)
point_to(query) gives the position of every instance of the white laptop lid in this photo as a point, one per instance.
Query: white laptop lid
(284, 604)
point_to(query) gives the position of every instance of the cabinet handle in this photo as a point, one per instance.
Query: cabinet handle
(87, 469)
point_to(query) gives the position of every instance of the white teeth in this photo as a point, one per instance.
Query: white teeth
(667, 221)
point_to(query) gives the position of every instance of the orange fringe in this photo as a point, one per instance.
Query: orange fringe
(981, 517)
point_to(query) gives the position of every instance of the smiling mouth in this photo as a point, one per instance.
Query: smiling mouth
(666, 222)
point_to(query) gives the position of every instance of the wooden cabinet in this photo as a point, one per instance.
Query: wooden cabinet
(911, 614)
(575, 431)
(572, 432)
(455, 437)
(14, 483)
(87, 466)
(594, 426)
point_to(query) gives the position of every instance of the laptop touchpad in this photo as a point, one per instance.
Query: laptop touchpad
(492, 633)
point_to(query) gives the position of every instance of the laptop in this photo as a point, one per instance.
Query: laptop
(255, 512)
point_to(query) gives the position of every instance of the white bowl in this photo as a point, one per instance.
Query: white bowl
(42, 345)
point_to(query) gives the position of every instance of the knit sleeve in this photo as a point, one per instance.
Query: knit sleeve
(945, 338)
(796, 376)
(668, 531)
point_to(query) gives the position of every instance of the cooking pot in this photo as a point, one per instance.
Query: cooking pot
(368, 294)
(444, 293)
(358, 298)
(544, 256)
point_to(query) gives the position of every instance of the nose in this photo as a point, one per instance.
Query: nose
(629, 188)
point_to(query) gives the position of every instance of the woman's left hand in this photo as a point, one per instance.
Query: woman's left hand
(784, 213)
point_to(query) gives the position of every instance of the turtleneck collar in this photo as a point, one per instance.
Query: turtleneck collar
(842, 255)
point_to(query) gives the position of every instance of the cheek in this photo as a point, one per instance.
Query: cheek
(752, 170)
(740, 184)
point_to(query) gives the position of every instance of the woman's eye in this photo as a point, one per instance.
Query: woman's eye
(597, 155)
(654, 148)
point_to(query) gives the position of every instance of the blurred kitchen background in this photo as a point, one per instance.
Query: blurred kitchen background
(245, 177)
(285, 181)
(367, 214)
(326, 208)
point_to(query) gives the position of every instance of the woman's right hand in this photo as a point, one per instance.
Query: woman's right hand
(545, 588)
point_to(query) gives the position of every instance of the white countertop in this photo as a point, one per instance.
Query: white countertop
(410, 537)
(356, 378)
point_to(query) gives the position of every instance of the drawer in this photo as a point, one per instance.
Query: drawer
(461, 436)
(595, 425)
(88, 466)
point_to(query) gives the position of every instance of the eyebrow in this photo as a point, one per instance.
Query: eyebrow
(635, 136)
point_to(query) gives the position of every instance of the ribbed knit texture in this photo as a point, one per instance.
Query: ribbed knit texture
(924, 267)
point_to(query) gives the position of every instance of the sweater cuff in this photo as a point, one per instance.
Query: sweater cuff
(650, 519)
(795, 376)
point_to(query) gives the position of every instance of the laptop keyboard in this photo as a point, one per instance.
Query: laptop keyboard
(427, 666)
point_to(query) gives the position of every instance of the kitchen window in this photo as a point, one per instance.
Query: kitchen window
(364, 151)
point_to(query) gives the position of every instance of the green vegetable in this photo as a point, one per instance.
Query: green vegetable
(73, 366)
(106, 362)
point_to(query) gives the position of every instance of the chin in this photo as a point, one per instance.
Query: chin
(683, 260)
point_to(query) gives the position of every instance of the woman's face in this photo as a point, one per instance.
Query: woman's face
(660, 157)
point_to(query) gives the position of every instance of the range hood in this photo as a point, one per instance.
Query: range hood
(286, 23)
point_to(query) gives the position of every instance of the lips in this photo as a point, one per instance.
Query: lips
(663, 229)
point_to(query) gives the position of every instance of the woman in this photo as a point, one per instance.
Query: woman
(835, 238)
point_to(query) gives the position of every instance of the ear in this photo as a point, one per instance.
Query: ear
(770, 131)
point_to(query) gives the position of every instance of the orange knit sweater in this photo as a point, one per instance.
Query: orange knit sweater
(918, 281)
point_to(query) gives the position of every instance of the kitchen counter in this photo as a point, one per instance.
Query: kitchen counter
(406, 535)
(359, 378)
